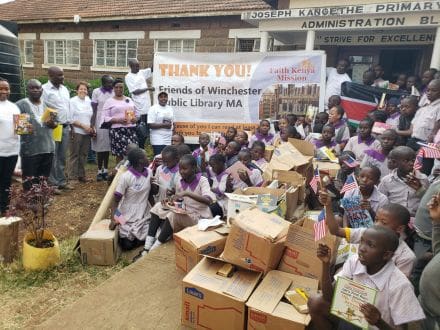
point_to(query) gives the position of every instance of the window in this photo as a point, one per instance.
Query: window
(61, 52)
(114, 53)
(247, 45)
(175, 45)
(27, 52)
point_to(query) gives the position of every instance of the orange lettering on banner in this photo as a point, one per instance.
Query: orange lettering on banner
(195, 129)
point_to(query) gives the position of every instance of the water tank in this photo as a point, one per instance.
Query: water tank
(10, 62)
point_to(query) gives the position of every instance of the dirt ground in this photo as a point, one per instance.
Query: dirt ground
(27, 299)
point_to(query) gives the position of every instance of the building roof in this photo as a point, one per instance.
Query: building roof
(25, 11)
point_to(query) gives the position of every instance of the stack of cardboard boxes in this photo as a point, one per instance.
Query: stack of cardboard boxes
(265, 256)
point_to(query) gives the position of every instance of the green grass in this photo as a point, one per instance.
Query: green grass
(14, 278)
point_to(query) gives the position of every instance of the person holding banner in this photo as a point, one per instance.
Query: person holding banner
(161, 122)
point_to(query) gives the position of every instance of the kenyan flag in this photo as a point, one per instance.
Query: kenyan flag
(358, 99)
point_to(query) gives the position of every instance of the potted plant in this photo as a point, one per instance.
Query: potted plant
(40, 247)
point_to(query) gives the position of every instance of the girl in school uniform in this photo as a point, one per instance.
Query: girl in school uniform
(166, 177)
(253, 178)
(220, 181)
(196, 194)
(257, 152)
(131, 209)
(336, 119)
(263, 134)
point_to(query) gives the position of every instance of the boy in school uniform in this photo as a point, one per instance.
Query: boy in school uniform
(363, 141)
(393, 216)
(396, 304)
(404, 186)
(379, 157)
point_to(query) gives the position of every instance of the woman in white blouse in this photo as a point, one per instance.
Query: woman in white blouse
(9, 144)
(80, 116)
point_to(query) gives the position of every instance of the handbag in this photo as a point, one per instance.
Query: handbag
(106, 125)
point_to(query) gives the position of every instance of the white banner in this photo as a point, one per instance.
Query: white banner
(212, 91)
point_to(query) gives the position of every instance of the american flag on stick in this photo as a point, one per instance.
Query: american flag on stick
(418, 163)
(430, 151)
(350, 184)
(319, 226)
(315, 180)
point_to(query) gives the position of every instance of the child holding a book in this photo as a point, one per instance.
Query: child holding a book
(131, 209)
(192, 196)
(395, 305)
(250, 178)
(220, 181)
(393, 216)
(203, 152)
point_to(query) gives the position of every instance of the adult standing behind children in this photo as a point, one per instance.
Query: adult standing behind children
(57, 97)
(120, 112)
(101, 140)
(161, 122)
(36, 149)
(136, 81)
(335, 77)
(426, 122)
(81, 114)
(9, 144)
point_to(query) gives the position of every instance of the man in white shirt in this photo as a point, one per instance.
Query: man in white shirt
(161, 123)
(136, 81)
(335, 77)
(56, 96)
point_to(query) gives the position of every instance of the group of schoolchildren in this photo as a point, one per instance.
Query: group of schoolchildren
(182, 186)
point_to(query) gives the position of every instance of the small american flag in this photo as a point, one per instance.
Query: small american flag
(119, 217)
(418, 163)
(431, 151)
(319, 226)
(351, 162)
(350, 184)
(314, 182)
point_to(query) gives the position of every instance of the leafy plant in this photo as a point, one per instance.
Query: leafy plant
(31, 205)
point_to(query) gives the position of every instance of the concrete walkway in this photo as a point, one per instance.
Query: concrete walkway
(144, 295)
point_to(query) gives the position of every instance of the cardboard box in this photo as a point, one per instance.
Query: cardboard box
(292, 178)
(287, 157)
(99, 245)
(267, 311)
(191, 244)
(300, 255)
(9, 227)
(211, 301)
(243, 199)
(328, 167)
(256, 240)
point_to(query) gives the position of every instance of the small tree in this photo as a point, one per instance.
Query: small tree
(31, 205)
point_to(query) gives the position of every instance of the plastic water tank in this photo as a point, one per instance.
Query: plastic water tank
(10, 62)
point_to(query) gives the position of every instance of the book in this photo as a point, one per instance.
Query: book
(235, 169)
(357, 217)
(347, 299)
(327, 153)
(49, 114)
(130, 114)
(22, 124)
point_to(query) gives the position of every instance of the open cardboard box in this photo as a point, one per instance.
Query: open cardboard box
(191, 244)
(99, 245)
(266, 310)
(300, 254)
(243, 199)
(256, 240)
(211, 301)
(328, 167)
(288, 157)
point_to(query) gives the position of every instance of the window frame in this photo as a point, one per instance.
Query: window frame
(65, 53)
(170, 41)
(115, 67)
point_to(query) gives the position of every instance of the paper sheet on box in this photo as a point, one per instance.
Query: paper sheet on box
(204, 224)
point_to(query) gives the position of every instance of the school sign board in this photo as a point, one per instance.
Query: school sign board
(212, 91)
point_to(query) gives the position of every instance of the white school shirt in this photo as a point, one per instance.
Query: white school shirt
(334, 81)
(404, 258)
(424, 120)
(81, 111)
(157, 115)
(57, 99)
(9, 141)
(395, 298)
(135, 81)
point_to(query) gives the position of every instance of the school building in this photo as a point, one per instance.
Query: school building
(403, 36)
(89, 38)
